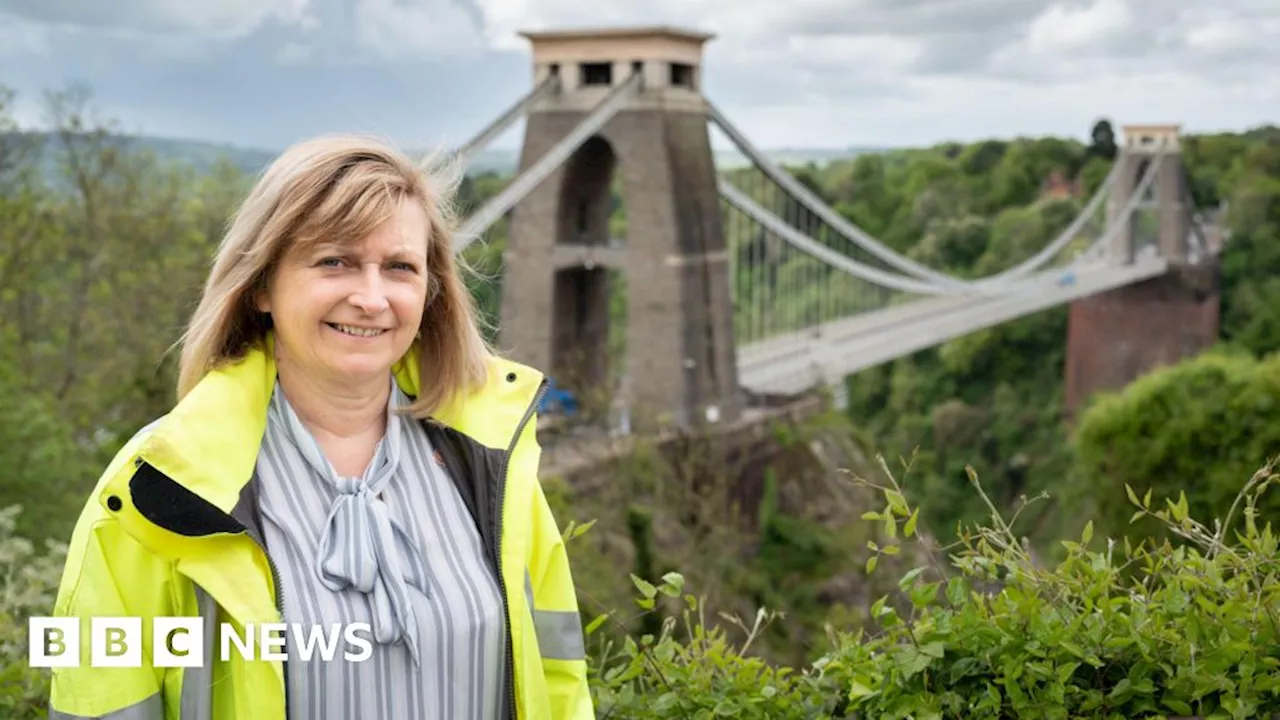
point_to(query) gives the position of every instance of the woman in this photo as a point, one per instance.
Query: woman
(345, 449)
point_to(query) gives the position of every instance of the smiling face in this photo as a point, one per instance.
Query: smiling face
(347, 313)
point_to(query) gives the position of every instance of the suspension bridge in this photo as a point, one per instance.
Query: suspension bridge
(746, 285)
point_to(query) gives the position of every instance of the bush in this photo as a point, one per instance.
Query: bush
(1115, 630)
(1198, 426)
(28, 586)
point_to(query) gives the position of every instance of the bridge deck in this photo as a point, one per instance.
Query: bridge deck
(795, 362)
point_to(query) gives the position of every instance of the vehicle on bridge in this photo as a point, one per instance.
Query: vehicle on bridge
(557, 401)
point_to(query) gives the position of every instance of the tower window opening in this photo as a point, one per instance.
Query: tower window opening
(554, 69)
(682, 75)
(596, 73)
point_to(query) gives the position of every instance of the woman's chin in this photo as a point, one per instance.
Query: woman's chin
(363, 366)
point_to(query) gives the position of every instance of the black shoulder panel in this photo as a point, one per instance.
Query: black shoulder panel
(173, 507)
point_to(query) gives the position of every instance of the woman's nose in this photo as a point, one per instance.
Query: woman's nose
(370, 295)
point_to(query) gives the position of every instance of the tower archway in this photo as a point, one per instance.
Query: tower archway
(589, 297)
(587, 195)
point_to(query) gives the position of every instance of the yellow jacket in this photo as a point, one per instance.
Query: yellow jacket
(164, 534)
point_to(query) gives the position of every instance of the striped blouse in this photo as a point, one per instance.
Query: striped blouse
(396, 549)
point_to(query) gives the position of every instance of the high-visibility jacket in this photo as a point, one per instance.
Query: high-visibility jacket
(165, 533)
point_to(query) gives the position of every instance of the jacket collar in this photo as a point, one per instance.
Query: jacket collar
(175, 492)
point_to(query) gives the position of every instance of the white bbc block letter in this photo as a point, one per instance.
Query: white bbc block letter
(227, 636)
(273, 645)
(178, 642)
(54, 642)
(116, 641)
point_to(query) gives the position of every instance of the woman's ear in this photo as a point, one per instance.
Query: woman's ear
(261, 297)
(433, 290)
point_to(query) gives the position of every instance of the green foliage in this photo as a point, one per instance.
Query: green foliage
(1121, 631)
(43, 457)
(640, 528)
(1103, 137)
(793, 554)
(103, 248)
(1199, 426)
(1251, 262)
(1116, 630)
(29, 579)
(691, 668)
(994, 399)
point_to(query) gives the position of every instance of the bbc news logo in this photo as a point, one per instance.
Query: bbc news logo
(180, 641)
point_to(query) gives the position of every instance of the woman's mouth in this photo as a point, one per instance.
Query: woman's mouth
(356, 330)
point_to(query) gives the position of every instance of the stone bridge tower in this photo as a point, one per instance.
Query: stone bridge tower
(655, 154)
(1115, 336)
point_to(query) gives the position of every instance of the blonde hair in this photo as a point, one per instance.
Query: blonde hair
(338, 188)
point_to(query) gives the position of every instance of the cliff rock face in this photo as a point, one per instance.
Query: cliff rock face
(768, 517)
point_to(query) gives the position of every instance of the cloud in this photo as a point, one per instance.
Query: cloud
(859, 54)
(1243, 39)
(321, 31)
(220, 18)
(1071, 39)
(19, 37)
(1064, 27)
(803, 72)
(741, 26)
(400, 29)
(1204, 41)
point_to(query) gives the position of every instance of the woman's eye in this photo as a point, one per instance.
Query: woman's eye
(330, 262)
(404, 266)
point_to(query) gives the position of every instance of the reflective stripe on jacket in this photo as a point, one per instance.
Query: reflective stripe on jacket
(168, 531)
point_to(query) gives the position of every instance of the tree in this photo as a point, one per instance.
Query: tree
(1104, 140)
(1202, 426)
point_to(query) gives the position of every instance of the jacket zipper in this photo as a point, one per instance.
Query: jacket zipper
(279, 598)
(497, 545)
(275, 572)
(279, 593)
(261, 542)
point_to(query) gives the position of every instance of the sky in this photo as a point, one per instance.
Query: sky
(799, 74)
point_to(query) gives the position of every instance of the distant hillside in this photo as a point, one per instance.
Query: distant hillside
(199, 155)
(796, 156)
(504, 161)
(202, 155)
